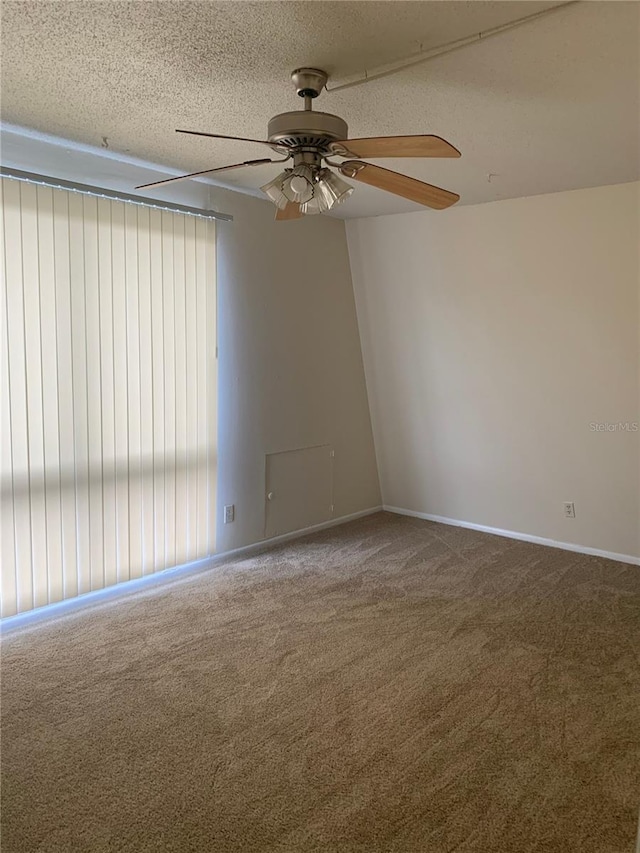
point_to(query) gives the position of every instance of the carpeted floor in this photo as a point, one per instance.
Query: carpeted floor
(389, 685)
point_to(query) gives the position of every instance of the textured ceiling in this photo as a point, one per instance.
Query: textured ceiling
(551, 105)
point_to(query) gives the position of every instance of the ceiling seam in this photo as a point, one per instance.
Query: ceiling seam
(424, 56)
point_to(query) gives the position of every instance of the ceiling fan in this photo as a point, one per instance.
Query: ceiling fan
(311, 138)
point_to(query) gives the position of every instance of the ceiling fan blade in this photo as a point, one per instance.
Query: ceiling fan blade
(291, 211)
(394, 182)
(222, 136)
(206, 172)
(395, 146)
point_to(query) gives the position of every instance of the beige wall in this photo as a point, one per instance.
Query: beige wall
(493, 337)
(290, 371)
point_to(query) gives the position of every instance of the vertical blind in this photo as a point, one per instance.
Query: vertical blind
(108, 393)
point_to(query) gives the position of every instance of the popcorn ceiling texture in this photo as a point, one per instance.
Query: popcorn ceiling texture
(389, 686)
(550, 106)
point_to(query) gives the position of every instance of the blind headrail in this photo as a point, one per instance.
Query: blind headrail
(100, 192)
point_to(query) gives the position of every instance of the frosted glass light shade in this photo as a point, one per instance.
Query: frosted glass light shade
(274, 190)
(317, 204)
(333, 187)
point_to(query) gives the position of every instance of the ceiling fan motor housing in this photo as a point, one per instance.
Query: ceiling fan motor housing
(306, 129)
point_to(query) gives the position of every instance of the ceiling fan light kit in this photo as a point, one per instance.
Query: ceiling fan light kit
(315, 190)
(310, 138)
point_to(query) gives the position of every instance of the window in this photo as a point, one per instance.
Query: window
(108, 393)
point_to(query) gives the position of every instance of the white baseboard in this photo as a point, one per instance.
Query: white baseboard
(512, 534)
(246, 550)
(126, 588)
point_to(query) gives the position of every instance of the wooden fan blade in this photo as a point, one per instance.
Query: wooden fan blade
(291, 211)
(206, 172)
(395, 146)
(394, 182)
(222, 136)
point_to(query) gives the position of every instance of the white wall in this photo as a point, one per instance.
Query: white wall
(290, 371)
(493, 337)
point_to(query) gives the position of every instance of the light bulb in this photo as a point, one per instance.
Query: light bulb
(298, 186)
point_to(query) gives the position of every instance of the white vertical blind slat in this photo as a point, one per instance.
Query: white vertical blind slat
(168, 334)
(66, 426)
(8, 584)
(132, 320)
(191, 389)
(120, 391)
(14, 284)
(180, 336)
(201, 395)
(33, 381)
(77, 259)
(50, 395)
(8, 581)
(157, 374)
(106, 285)
(147, 461)
(108, 393)
(94, 392)
(211, 355)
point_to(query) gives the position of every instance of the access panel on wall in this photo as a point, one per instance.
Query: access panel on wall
(299, 489)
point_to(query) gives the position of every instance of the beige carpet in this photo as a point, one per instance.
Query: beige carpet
(390, 685)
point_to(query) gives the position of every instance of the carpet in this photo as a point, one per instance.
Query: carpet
(388, 685)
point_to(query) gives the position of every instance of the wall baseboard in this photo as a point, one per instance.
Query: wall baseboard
(513, 534)
(126, 588)
(246, 550)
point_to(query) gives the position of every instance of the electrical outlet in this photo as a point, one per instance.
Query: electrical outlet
(569, 509)
(229, 513)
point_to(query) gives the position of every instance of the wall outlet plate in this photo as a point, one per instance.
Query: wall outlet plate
(229, 513)
(569, 509)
